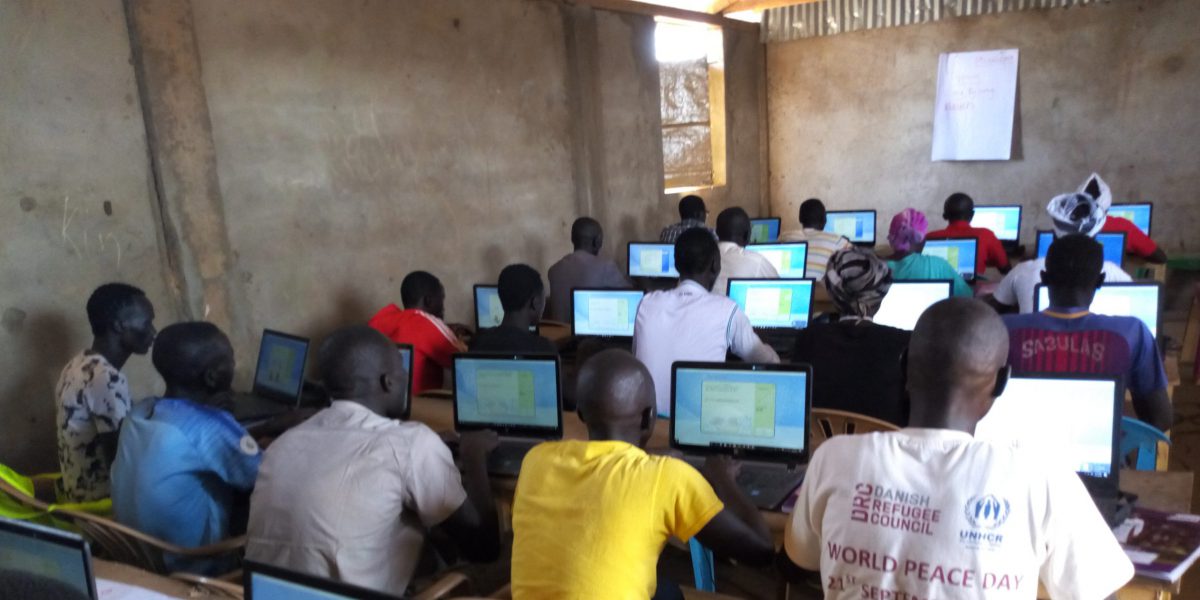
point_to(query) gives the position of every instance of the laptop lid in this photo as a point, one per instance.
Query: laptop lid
(774, 303)
(764, 230)
(1127, 299)
(406, 357)
(906, 301)
(266, 582)
(959, 252)
(1069, 419)
(489, 312)
(858, 226)
(652, 259)
(514, 395)
(279, 373)
(1139, 213)
(58, 555)
(1002, 220)
(789, 258)
(1113, 243)
(604, 313)
(755, 411)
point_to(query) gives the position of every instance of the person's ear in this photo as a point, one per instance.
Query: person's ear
(212, 378)
(648, 415)
(386, 383)
(1100, 280)
(1002, 377)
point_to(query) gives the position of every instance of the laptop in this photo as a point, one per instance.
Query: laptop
(1113, 243)
(959, 252)
(488, 310)
(46, 552)
(604, 313)
(757, 413)
(517, 396)
(789, 258)
(764, 231)
(774, 303)
(652, 259)
(278, 377)
(1140, 213)
(906, 301)
(858, 226)
(1069, 419)
(1002, 220)
(1129, 299)
(266, 582)
(406, 356)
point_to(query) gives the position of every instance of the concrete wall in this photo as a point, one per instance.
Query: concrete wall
(1109, 88)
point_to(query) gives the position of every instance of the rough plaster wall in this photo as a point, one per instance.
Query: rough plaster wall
(1110, 88)
(71, 140)
(359, 142)
(745, 121)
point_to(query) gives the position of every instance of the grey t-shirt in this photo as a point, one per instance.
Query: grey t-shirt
(580, 269)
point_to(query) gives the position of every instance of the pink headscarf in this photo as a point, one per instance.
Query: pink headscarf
(908, 230)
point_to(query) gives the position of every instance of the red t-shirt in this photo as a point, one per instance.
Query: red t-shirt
(433, 343)
(1136, 242)
(989, 251)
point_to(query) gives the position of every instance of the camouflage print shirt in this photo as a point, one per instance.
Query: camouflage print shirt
(93, 398)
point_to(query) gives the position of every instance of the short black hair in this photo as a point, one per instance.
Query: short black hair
(418, 285)
(518, 284)
(695, 250)
(106, 303)
(958, 205)
(1075, 261)
(585, 229)
(692, 207)
(812, 213)
(732, 222)
(184, 351)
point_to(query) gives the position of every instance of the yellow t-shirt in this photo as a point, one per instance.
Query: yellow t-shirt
(591, 518)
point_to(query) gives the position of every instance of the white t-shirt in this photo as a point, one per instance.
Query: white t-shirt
(935, 513)
(348, 495)
(739, 263)
(1016, 289)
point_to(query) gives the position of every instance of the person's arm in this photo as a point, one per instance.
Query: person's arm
(1082, 558)
(739, 530)
(474, 526)
(1138, 243)
(1148, 382)
(745, 343)
(108, 403)
(1154, 408)
(1157, 257)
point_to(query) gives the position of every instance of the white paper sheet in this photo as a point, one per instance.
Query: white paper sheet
(976, 100)
(108, 589)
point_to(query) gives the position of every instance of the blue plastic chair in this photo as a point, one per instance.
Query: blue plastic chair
(1142, 438)
(703, 567)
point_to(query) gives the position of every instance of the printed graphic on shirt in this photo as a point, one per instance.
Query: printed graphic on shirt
(893, 509)
(986, 514)
(1047, 351)
(918, 572)
(93, 398)
(738, 408)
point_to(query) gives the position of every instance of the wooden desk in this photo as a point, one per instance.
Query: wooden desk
(126, 574)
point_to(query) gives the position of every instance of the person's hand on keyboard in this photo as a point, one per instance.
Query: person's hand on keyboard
(476, 445)
(721, 471)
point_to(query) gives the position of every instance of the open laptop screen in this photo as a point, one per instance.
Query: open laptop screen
(1113, 243)
(907, 300)
(510, 394)
(1070, 420)
(1004, 221)
(1138, 213)
(1137, 299)
(264, 582)
(858, 226)
(48, 553)
(741, 408)
(960, 253)
(788, 258)
(774, 303)
(488, 310)
(763, 231)
(652, 260)
(280, 370)
(605, 312)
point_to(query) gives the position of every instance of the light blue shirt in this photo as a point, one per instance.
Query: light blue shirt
(918, 267)
(177, 469)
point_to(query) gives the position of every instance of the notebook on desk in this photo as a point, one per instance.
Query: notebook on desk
(604, 313)
(49, 553)
(489, 312)
(776, 308)
(756, 413)
(1113, 243)
(1002, 220)
(278, 378)
(516, 395)
(906, 301)
(653, 260)
(764, 230)
(858, 226)
(266, 582)
(959, 252)
(788, 258)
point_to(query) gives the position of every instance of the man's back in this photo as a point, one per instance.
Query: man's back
(821, 245)
(858, 367)
(348, 495)
(580, 269)
(504, 338)
(434, 344)
(591, 518)
(93, 398)
(740, 263)
(896, 525)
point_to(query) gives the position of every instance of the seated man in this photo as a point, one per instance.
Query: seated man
(92, 393)
(349, 494)
(182, 464)
(420, 324)
(692, 214)
(931, 512)
(583, 268)
(907, 238)
(524, 298)
(958, 211)
(856, 362)
(691, 323)
(1071, 214)
(591, 518)
(733, 229)
(1066, 338)
(821, 244)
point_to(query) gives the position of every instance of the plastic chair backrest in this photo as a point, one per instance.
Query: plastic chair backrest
(827, 422)
(1142, 439)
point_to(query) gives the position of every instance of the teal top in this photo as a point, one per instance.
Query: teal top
(920, 267)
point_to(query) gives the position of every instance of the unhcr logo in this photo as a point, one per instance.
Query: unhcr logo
(987, 512)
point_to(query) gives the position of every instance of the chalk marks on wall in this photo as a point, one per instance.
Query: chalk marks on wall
(82, 238)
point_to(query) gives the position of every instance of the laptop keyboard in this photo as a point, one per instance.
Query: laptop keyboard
(767, 486)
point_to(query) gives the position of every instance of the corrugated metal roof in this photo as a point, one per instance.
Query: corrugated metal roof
(830, 17)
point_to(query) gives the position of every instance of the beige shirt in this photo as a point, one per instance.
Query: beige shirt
(740, 263)
(348, 494)
(821, 245)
